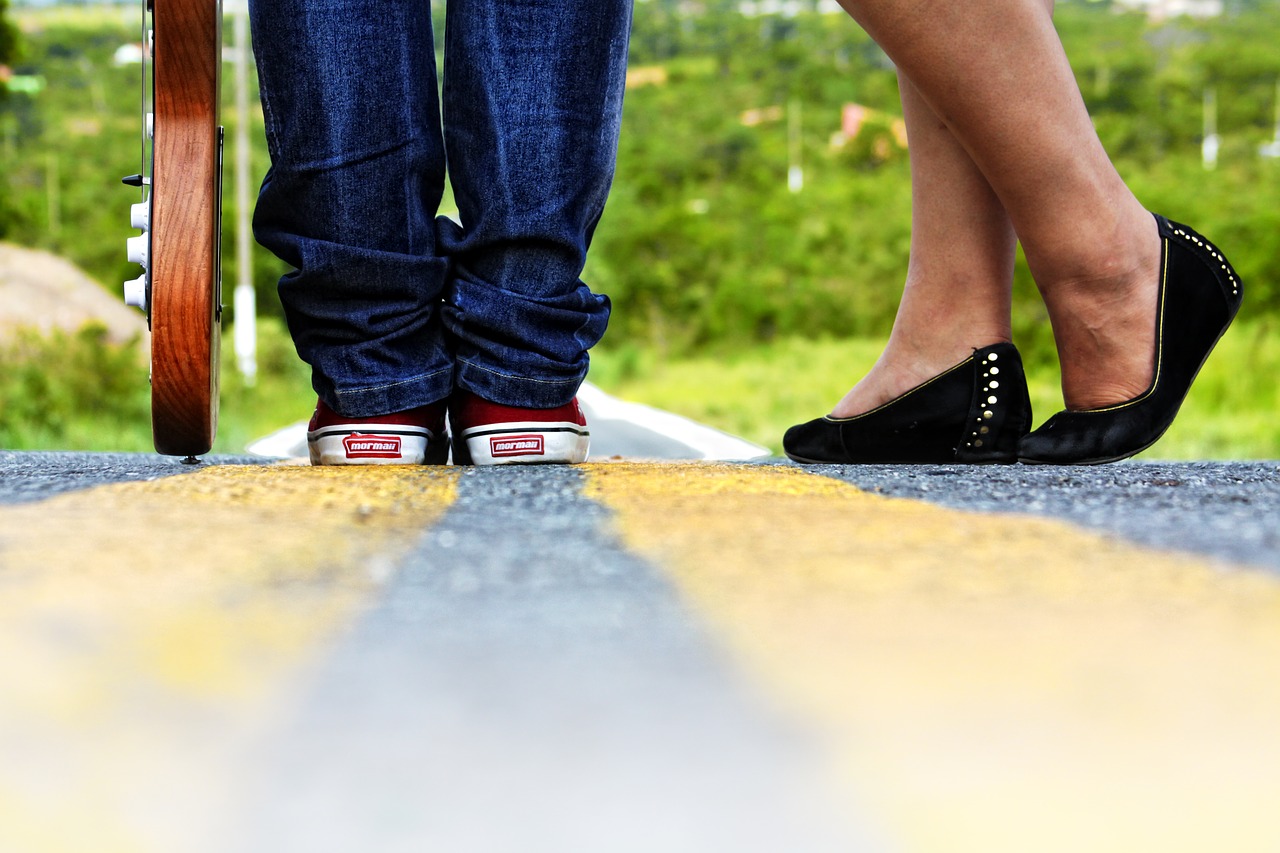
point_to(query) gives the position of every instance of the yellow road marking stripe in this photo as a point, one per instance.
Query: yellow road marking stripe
(147, 629)
(988, 683)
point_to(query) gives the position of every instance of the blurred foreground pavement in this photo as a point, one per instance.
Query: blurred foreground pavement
(637, 657)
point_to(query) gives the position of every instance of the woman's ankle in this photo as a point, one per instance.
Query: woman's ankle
(903, 367)
(1104, 322)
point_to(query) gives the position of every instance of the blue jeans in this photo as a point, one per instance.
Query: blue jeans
(391, 305)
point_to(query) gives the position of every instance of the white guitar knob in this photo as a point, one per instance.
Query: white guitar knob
(135, 292)
(140, 215)
(136, 248)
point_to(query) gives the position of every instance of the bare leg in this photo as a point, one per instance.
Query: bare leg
(957, 293)
(995, 73)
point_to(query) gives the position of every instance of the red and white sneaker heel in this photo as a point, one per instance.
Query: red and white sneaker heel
(415, 437)
(487, 433)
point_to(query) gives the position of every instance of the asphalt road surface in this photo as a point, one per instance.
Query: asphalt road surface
(240, 656)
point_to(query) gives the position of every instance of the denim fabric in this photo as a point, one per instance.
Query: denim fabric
(390, 304)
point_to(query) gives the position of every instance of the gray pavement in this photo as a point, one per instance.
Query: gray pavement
(1227, 510)
(521, 681)
(532, 688)
(35, 475)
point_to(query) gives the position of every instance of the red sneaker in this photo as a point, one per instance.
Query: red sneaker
(414, 437)
(487, 433)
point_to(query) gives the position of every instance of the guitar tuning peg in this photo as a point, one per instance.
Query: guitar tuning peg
(137, 249)
(135, 292)
(140, 215)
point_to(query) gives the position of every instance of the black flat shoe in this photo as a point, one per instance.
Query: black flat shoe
(973, 413)
(1199, 296)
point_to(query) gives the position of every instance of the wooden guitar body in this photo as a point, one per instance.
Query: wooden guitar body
(184, 257)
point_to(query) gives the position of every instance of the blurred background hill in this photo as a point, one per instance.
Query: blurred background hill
(757, 236)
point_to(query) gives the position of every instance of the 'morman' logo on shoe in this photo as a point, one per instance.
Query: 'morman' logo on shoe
(516, 445)
(361, 446)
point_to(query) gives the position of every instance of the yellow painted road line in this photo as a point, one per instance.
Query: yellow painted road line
(149, 630)
(988, 683)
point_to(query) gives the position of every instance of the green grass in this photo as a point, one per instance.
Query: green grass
(281, 396)
(91, 18)
(72, 392)
(1230, 414)
(79, 392)
(82, 392)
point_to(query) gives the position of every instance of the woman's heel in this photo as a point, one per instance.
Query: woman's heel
(973, 413)
(1200, 294)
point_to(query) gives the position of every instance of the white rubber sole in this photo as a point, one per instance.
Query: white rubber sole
(372, 444)
(528, 443)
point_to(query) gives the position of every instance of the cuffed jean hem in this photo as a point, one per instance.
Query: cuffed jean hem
(521, 391)
(391, 397)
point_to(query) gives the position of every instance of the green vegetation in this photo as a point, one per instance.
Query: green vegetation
(8, 36)
(703, 243)
(81, 392)
(721, 277)
(72, 392)
(758, 392)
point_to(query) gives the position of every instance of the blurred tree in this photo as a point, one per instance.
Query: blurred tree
(8, 52)
(704, 245)
(8, 37)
